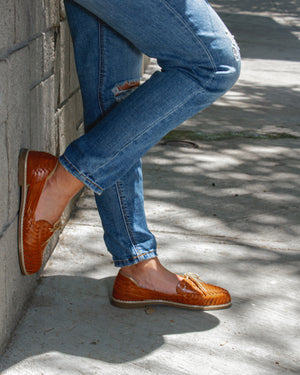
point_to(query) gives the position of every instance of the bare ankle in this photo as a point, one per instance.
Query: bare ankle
(148, 264)
(153, 275)
(64, 183)
(57, 193)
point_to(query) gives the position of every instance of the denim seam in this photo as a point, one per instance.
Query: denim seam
(81, 174)
(189, 28)
(125, 217)
(100, 67)
(151, 126)
(135, 257)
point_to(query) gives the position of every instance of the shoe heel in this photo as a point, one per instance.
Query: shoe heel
(22, 166)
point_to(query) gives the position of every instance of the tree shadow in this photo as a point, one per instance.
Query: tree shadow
(234, 188)
(288, 7)
(261, 108)
(270, 40)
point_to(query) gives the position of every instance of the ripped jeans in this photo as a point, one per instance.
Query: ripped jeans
(199, 62)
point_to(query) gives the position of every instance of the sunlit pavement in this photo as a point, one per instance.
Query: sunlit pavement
(222, 197)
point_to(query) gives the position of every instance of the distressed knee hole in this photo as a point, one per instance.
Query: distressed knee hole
(123, 89)
(235, 47)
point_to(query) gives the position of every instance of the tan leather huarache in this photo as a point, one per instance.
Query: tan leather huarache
(191, 293)
(34, 169)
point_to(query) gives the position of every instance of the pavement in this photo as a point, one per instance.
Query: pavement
(222, 196)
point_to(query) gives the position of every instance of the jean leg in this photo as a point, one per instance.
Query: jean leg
(199, 60)
(109, 69)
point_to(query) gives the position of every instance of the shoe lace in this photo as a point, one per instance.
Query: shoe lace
(59, 225)
(195, 278)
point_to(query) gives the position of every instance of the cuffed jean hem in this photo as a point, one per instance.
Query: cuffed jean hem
(136, 259)
(81, 177)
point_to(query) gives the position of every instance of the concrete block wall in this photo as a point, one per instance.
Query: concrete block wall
(40, 108)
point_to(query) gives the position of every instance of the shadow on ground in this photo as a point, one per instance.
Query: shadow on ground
(289, 7)
(234, 188)
(73, 315)
(271, 38)
(260, 108)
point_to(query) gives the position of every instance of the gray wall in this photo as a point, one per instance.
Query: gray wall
(40, 108)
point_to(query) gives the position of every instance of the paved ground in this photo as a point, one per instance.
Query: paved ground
(227, 209)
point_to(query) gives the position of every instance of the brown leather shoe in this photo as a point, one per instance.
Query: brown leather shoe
(192, 293)
(34, 170)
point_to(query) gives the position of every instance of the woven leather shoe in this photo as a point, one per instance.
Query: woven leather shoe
(191, 293)
(34, 170)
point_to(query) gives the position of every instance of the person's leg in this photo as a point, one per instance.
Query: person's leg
(106, 66)
(109, 68)
(199, 63)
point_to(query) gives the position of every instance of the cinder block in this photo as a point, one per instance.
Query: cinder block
(37, 17)
(67, 134)
(74, 82)
(4, 69)
(4, 174)
(64, 74)
(7, 24)
(80, 129)
(36, 60)
(78, 114)
(35, 80)
(22, 17)
(68, 121)
(44, 132)
(48, 52)
(16, 288)
(57, 66)
(52, 17)
(4, 178)
(62, 10)
(3, 328)
(18, 122)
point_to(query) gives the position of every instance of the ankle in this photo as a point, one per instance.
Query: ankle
(57, 193)
(151, 274)
(63, 184)
(141, 267)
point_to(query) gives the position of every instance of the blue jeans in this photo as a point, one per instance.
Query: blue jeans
(199, 62)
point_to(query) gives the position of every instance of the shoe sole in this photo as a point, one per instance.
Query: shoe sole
(22, 178)
(136, 304)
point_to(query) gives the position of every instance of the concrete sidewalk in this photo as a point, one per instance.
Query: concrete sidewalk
(222, 197)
